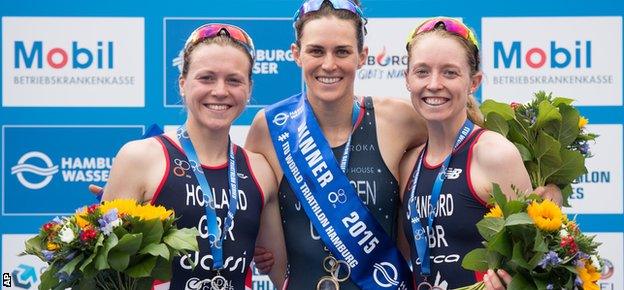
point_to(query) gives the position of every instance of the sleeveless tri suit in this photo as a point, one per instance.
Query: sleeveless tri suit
(179, 191)
(454, 232)
(375, 185)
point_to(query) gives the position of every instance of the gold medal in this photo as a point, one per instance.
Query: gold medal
(333, 267)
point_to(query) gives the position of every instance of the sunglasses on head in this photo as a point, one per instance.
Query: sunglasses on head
(315, 5)
(449, 24)
(218, 29)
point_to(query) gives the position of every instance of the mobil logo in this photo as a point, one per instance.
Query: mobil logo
(37, 54)
(554, 54)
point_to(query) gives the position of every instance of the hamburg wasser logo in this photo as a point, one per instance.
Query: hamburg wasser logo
(73, 169)
(24, 167)
(57, 163)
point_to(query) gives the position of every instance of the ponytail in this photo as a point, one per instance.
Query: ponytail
(474, 114)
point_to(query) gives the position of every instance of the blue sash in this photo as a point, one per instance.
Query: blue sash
(418, 231)
(346, 227)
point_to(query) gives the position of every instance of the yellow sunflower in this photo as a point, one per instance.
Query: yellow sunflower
(495, 212)
(82, 222)
(589, 275)
(546, 215)
(123, 206)
(582, 122)
(149, 212)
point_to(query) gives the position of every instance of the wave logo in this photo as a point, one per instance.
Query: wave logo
(384, 59)
(23, 167)
(385, 275)
(31, 54)
(556, 56)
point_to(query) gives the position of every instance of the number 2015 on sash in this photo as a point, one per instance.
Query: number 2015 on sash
(356, 228)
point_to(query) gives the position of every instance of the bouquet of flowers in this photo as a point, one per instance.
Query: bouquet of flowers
(118, 244)
(550, 135)
(537, 244)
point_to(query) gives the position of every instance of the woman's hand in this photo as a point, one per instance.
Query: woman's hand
(496, 282)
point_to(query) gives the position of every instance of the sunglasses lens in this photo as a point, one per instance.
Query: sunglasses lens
(450, 25)
(213, 30)
(315, 5)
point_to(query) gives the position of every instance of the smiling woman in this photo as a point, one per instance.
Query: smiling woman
(195, 171)
(318, 137)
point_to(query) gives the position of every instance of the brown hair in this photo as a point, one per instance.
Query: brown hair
(222, 40)
(474, 61)
(327, 10)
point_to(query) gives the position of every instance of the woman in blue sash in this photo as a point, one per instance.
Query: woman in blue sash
(228, 193)
(448, 180)
(336, 156)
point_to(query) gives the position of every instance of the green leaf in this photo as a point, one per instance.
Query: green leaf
(499, 197)
(518, 219)
(546, 113)
(494, 260)
(515, 206)
(501, 243)
(518, 256)
(101, 260)
(571, 167)
(540, 245)
(98, 244)
(488, 227)
(86, 283)
(520, 132)
(561, 101)
(525, 153)
(182, 239)
(475, 260)
(118, 260)
(547, 153)
(129, 243)
(162, 270)
(495, 122)
(519, 282)
(143, 268)
(48, 278)
(152, 231)
(546, 147)
(566, 192)
(120, 231)
(69, 267)
(34, 245)
(156, 250)
(567, 129)
(504, 110)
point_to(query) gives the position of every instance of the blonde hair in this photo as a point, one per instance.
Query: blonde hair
(474, 114)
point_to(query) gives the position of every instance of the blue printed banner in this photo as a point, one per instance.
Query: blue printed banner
(275, 73)
(51, 177)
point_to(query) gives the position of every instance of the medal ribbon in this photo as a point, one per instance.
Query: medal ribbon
(420, 233)
(215, 234)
